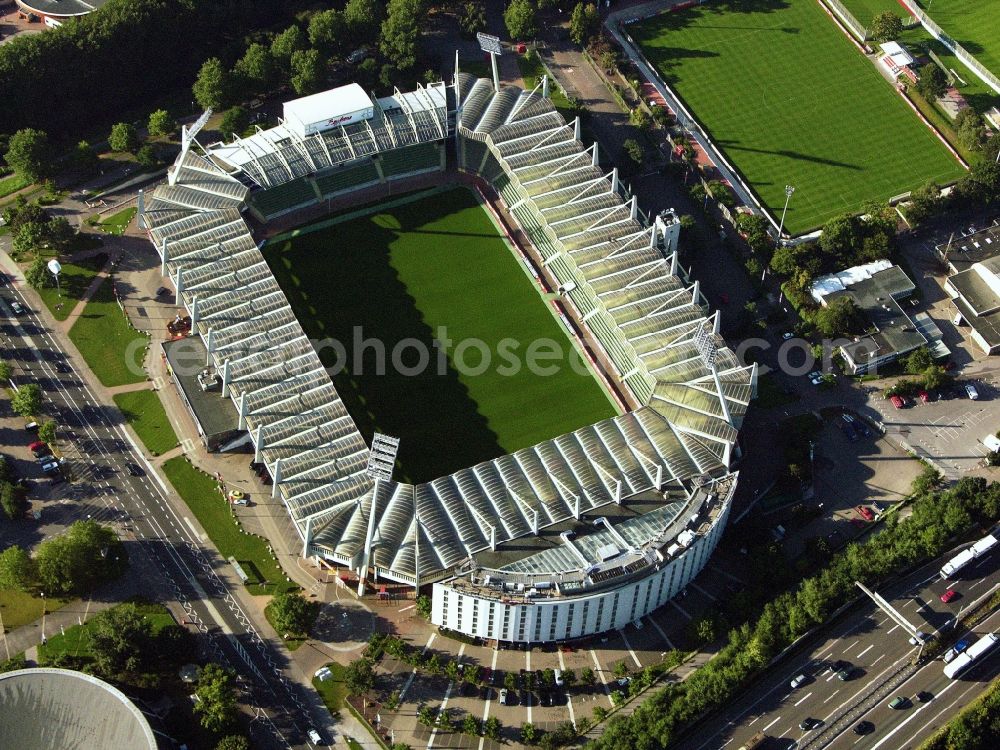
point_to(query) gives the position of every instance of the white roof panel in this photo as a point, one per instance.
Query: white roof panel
(328, 104)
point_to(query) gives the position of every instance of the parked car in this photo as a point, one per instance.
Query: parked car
(948, 595)
(865, 512)
(50, 467)
(31, 426)
(503, 696)
(864, 727)
(971, 392)
(787, 335)
(897, 401)
(314, 737)
(924, 396)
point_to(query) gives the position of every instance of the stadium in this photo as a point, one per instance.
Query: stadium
(574, 535)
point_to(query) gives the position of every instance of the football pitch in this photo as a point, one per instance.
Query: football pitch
(791, 101)
(975, 24)
(399, 274)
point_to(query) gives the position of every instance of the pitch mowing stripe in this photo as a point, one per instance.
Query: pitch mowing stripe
(402, 273)
(790, 101)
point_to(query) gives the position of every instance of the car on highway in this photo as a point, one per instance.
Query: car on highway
(799, 681)
(897, 401)
(961, 645)
(899, 702)
(809, 723)
(865, 512)
(949, 595)
(863, 728)
(846, 673)
(971, 392)
(17, 307)
(134, 469)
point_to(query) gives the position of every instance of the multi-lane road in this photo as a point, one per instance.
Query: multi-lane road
(114, 483)
(883, 667)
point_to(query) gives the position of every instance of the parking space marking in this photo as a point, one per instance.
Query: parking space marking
(600, 673)
(527, 666)
(569, 698)
(696, 587)
(680, 609)
(662, 633)
(486, 708)
(413, 674)
(628, 646)
(442, 711)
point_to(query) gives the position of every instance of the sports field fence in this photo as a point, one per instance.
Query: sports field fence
(847, 18)
(959, 51)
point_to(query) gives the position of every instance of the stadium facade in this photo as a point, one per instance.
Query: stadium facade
(573, 536)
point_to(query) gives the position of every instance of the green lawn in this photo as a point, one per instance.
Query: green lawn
(18, 608)
(201, 494)
(144, 411)
(74, 280)
(76, 640)
(12, 183)
(116, 223)
(113, 349)
(333, 691)
(791, 101)
(975, 24)
(435, 267)
(866, 10)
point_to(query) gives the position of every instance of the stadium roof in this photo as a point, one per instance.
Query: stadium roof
(651, 323)
(42, 709)
(61, 8)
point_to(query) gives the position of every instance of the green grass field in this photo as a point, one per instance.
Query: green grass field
(18, 608)
(12, 183)
(144, 411)
(202, 496)
(790, 100)
(76, 640)
(104, 338)
(975, 24)
(401, 273)
(74, 280)
(866, 10)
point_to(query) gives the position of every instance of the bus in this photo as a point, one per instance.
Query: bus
(969, 657)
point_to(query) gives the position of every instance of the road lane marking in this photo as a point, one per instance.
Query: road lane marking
(631, 652)
(489, 694)
(771, 724)
(910, 718)
(803, 698)
(830, 697)
(866, 650)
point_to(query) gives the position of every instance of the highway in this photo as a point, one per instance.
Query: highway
(113, 483)
(881, 656)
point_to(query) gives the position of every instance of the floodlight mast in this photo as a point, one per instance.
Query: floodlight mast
(491, 45)
(789, 189)
(381, 459)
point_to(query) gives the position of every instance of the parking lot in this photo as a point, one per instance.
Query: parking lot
(951, 427)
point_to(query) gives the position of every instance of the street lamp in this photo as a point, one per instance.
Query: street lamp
(789, 189)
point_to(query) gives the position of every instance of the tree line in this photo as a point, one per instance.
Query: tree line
(938, 517)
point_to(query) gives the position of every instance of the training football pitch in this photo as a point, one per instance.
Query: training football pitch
(791, 101)
(402, 271)
(975, 24)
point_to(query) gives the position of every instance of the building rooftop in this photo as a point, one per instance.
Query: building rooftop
(61, 8)
(971, 247)
(215, 415)
(976, 290)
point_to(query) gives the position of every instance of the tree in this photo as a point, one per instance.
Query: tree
(119, 640)
(980, 185)
(216, 704)
(213, 85)
(569, 677)
(86, 555)
(233, 742)
(47, 432)
(970, 128)
(839, 317)
(124, 137)
(290, 613)
(918, 360)
(932, 82)
(254, 71)
(491, 728)
(21, 212)
(363, 19)
(633, 150)
(359, 677)
(308, 72)
(161, 123)
(13, 500)
(17, 569)
(510, 681)
(59, 234)
(473, 18)
(584, 23)
(234, 121)
(620, 670)
(840, 238)
(587, 677)
(426, 716)
(529, 735)
(934, 377)
(29, 154)
(5, 372)
(175, 646)
(326, 29)
(400, 31)
(28, 238)
(286, 44)
(84, 158)
(520, 19)
(470, 725)
(424, 606)
(925, 202)
(147, 156)
(27, 400)
(886, 26)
